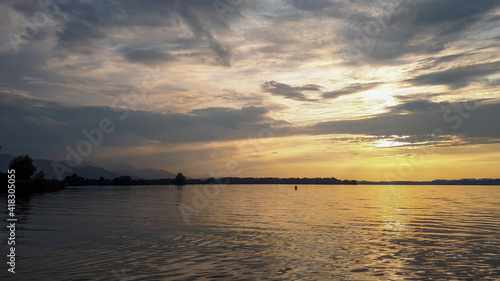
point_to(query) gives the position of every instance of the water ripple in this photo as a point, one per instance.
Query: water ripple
(262, 233)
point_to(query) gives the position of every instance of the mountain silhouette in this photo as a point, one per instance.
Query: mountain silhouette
(92, 170)
(125, 168)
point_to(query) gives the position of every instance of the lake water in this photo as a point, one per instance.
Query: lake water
(258, 232)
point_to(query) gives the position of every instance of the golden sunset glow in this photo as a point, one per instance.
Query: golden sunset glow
(321, 93)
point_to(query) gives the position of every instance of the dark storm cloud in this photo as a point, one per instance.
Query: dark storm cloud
(52, 126)
(287, 91)
(351, 89)
(457, 77)
(207, 124)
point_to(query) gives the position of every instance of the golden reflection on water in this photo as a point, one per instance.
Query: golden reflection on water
(266, 232)
(365, 231)
(395, 208)
(392, 212)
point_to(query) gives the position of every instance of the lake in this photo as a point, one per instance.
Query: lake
(258, 232)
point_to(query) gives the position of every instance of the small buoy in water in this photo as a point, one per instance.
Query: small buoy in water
(295, 187)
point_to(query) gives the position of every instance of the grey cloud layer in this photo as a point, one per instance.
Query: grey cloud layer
(84, 24)
(419, 119)
(147, 56)
(52, 126)
(297, 92)
(351, 89)
(380, 31)
(375, 33)
(458, 77)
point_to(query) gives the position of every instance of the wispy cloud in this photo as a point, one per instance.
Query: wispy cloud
(458, 77)
(351, 89)
(287, 91)
(323, 69)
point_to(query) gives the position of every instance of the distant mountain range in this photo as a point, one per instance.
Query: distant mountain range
(93, 171)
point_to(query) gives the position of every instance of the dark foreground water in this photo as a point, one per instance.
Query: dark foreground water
(258, 232)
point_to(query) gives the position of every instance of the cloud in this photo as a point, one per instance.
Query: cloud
(377, 31)
(420, 118)
(83, 24)
(449, 11)
(449, 58)
(315, 5)
(198, 28)
(91, 51)
(49, 127)
(287, 91)
(79, 36)
(108, 14)
(147, 56)
(296, 92)
(418, 106)
(43, 121)
(458, 77)
(351, 89)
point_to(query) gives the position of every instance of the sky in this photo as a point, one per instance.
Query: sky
(356, 89)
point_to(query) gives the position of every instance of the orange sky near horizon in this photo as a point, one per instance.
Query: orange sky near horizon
(365, 90)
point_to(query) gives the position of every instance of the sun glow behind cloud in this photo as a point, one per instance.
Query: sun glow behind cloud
(331, 97)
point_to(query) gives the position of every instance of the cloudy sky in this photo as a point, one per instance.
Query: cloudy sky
(356, 89)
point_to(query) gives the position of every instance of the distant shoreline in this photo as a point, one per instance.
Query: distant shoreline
(436, 182)
(76, 180)
(127, 180)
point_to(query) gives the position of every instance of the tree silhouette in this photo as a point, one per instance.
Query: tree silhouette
(102, 181)
(75, 180)
(123, 180)
(180, 179)
(24, 167)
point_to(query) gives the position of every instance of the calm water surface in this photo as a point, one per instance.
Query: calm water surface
(258, 232)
